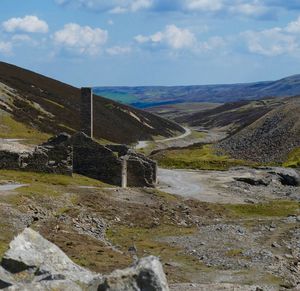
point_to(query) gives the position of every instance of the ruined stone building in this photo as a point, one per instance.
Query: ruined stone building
(64, 154)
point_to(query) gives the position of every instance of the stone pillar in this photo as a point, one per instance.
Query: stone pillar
(155, 173)
(124, 171)
(87, 111)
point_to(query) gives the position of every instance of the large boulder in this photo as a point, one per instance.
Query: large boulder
(146, 275)
(30, 251)
(33, 263)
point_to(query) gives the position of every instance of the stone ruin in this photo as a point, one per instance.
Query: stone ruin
(64, 154)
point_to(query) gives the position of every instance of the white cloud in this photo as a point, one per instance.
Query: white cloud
(5, 48)
(271, 42)
(254, 9)
(140, 4)
(246, 8)
(81, 39)
(204, 5)
(294, 26)
(213, 43)
(173, 36)
(29, 23)
(21, 38)
(118, 50)
(275, 41)
(112, 6)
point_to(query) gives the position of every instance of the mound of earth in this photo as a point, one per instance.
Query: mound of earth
(52, 107)
(270, 138)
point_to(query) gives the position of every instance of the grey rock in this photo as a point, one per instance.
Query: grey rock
(29, 250)
(6, 279)
(287, 177)
(146, 275)
(59, 285)
(254, 181)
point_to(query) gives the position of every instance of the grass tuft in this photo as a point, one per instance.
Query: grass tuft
(203, 158)
(293, 160)
(276, 208)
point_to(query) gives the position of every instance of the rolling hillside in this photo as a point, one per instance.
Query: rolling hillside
(47, 105)
(270, 138)
(231, 116)
(144, 97)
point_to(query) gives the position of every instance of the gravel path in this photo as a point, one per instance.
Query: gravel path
(200, 185)
(143, 143)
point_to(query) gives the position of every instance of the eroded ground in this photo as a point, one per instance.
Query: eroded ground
(200, 243)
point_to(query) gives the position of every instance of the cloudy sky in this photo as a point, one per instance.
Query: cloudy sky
(152, 42)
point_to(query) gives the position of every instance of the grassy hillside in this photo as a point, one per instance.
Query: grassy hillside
(50, 106)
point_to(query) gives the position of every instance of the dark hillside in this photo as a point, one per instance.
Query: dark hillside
(52, 106)
(270, 138)
(231, 116)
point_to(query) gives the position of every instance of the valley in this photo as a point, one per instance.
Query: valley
(226, 210)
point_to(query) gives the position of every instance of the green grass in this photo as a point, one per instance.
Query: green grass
(40, 185)
(10, 128)
(203, 158)
(49, 179)
(293, 160)
(276, 208)
(146, 242)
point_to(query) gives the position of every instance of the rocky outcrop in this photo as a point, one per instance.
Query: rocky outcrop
(287, 177)
(33, 263)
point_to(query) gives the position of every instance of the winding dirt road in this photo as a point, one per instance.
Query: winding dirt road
(144, 143)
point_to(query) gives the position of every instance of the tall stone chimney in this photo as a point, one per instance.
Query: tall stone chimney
(87, 111)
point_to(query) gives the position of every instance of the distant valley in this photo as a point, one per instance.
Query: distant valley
(144, 97)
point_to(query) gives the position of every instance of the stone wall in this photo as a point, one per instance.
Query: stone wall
(45, 158)
(94, 160)
(9, 160)
(64, 154)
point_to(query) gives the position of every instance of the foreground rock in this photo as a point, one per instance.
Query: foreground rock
(43, 266)
(146, 275)
(30, 251)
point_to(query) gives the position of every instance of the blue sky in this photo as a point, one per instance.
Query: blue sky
(152, 42)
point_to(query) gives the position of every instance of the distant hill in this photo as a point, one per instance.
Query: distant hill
(231, 116)
(269, 138)
(52, 107)
(144, 97)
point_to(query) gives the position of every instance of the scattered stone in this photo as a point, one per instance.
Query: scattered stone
(275, 245)
(254, 181)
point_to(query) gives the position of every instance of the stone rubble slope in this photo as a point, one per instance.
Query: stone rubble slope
(34, 263)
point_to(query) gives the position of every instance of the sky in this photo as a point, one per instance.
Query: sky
(152, 42)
